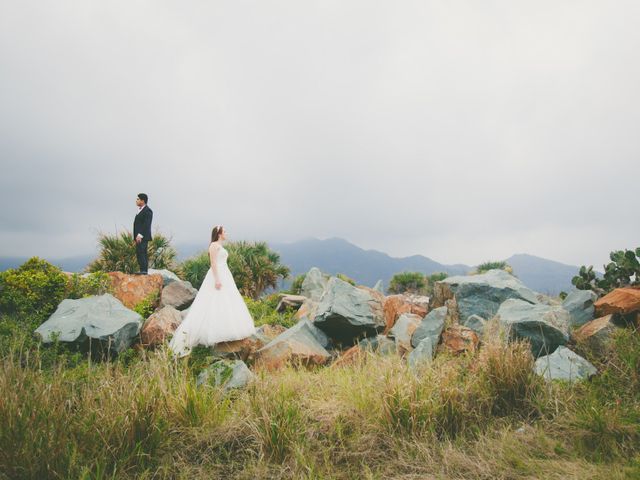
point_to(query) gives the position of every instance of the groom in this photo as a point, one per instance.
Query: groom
(142, 232)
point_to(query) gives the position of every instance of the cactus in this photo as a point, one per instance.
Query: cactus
(623, 270)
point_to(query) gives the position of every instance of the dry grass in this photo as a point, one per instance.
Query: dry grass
(483, 416)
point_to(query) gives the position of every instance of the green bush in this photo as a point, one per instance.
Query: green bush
(623, 270)
(264, 312)
(118, 253)
(147, 305)
(493, 265)
(413, 282)
(34, 289)
(194, 269)
(97, 283)
(296, 285)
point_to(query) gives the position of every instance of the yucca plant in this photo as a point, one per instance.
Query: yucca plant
(118, 254)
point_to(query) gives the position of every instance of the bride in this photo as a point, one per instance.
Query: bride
(218, 313)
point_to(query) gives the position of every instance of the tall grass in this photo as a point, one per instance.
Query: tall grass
(480, 416)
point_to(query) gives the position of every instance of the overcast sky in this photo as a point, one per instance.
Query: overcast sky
(461, 130)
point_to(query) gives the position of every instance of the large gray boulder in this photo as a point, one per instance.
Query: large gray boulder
(102, 318)
(314, 284)
(167, 276)
(579, 304)
(481, 294)
(303, 343)
(179, 295)
(546, 327)
(431, 327)
(563, 364)
(346, 313)
(229, 374)
(420, 355)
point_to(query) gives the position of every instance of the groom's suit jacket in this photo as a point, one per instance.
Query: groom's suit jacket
(142, 223)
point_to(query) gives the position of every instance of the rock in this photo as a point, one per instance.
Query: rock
(480, 294)
(546, 327)
(179, 295)
(621, 300)
(563, 364)
(403, 330)
(103, 318)
(314, 284)
(167, 276)
(290, 301)
(395, 305)
(132, 289)
(459, 339)
(597, 333)
(379, 344)
(349, 357)
(431, 327)
(422, 354)
(476, 323)
(579, 304)
(159, 326)
(307, 310)
(234, 374)
(300, 344)
(346, 313)
(246, 348)
(379, 286)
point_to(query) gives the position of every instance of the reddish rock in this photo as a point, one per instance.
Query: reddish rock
(349, 357)
(132, 289)
(597, 333)
(307, 310)
(299, 345)
(458, 339)
(159, 326)
(395, 305)
(621, 300)
(246, 348)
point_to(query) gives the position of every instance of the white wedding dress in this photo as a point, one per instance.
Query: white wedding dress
(215, 315)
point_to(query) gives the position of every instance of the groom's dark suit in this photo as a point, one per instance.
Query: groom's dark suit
(142, 226)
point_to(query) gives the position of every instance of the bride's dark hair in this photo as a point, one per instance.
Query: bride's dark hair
(215, 233)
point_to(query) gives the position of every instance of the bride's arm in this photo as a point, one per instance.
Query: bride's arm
(213, 253)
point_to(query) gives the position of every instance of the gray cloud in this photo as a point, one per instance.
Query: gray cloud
(460, 130)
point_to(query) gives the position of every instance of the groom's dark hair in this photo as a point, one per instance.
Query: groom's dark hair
(143, 197)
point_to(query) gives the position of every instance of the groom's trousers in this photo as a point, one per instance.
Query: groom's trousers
(142, 255)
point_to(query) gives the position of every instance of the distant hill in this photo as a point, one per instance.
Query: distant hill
(542, 275)
(336, 255)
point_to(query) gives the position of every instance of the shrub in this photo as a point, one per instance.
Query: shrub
(79, 286)
(623, 270)
(194, 269)
(493, 265)
(296, 285)
(35, 289)
(264, 312)
(118, 253)
(407, 282)
(147, 305)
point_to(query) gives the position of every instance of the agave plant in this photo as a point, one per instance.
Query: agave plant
(117, 253)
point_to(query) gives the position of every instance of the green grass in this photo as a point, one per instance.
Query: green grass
(479, 416)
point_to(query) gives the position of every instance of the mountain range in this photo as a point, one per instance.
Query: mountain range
(336, 255)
